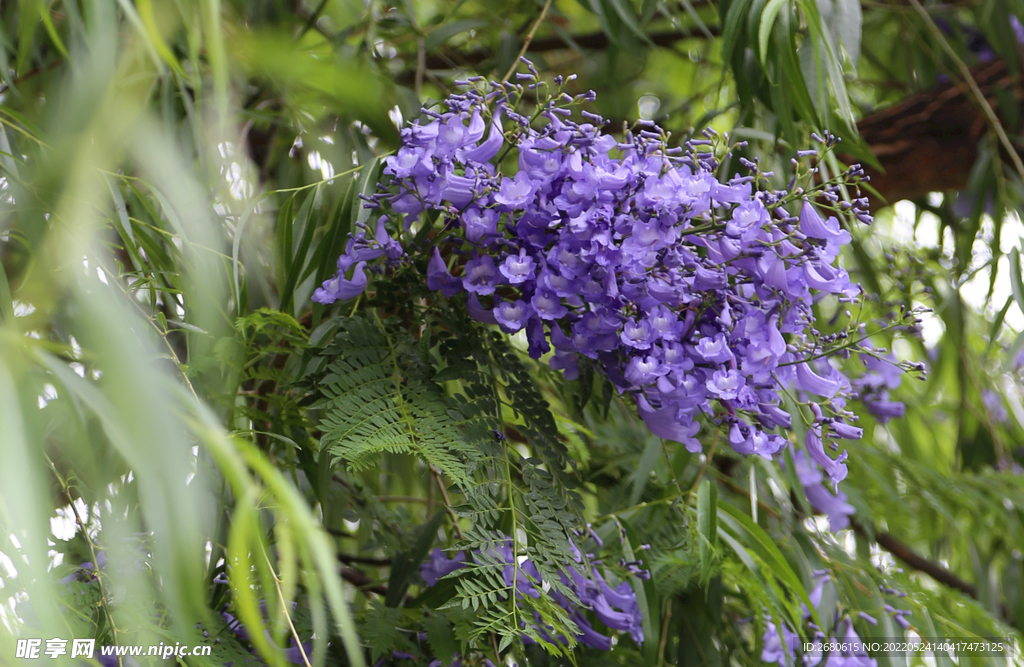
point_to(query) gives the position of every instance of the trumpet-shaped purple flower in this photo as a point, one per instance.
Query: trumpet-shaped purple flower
(714, 349)
(780, 644)
(340, 288)
(438, 277)
(726, 385)
(481, 275)
(518, 268)
(512, 316)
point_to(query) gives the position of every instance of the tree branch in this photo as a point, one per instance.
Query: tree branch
(594, 41)
(918, 562)
(929, 142)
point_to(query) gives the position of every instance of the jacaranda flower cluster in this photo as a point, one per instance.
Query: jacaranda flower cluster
(780, 643)
(692, 293)
(616, 607)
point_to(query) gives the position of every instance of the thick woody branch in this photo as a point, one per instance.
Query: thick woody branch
(929, 142)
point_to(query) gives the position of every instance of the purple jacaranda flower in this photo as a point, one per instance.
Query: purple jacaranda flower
(665, 324)
(834, 468)
(883, 409)
(820, 578)
(642, 371)
(438, 277)
(295, 656)
(536, 338)
(747, 220)
(748, 440)
(834, 506)
(882, 370)
(340, 288)
(440, 565)
(548, 305)
(478, 312)
(814, 383)
(589, 636)
(692, 294)
(479, 224)
(481, 275)
(512, 316)
(714, 349)
(779, 648)
(725, 385)
(773, 415)
(637, 335)
(518, 268)
(707, 279)
(490, 146)
(814, 226)
(675, 357)
(515, 192)
(1018, 28)
(459, 190)
(846, 431)
(667, 422)
(408, 162)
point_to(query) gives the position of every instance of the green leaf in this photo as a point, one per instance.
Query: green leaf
(628, 15)
(764, 30)
(6, 301)
(735, 19)
(765, 547)
(796, 86)
(646, 597)
(371, 404)
(440, 637)
(379, 629)
(707, 510)
(367, 186)
(997, 323)
(652, 452)
(406, 565)
(446, 31)
(1016, 283)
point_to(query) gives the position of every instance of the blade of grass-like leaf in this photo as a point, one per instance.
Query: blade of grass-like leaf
(296, 260)
(233, 455)
(244, 540)
(766, 548)
(997, 324)
(6, 300)
(647, 603)
(25, 509)
(767, 583)
(652, 452)
(133, 17)
(764, 29)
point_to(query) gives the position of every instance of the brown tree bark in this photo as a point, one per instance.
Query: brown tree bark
(929, 142)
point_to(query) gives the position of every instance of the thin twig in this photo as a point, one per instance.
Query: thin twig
(494, 644)
(526, 42)
(447, 501)
(362, 582)
(363, 560)
(314, 17)
(421, 66)
(284, 608)
(965, 72)
(664, 634)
